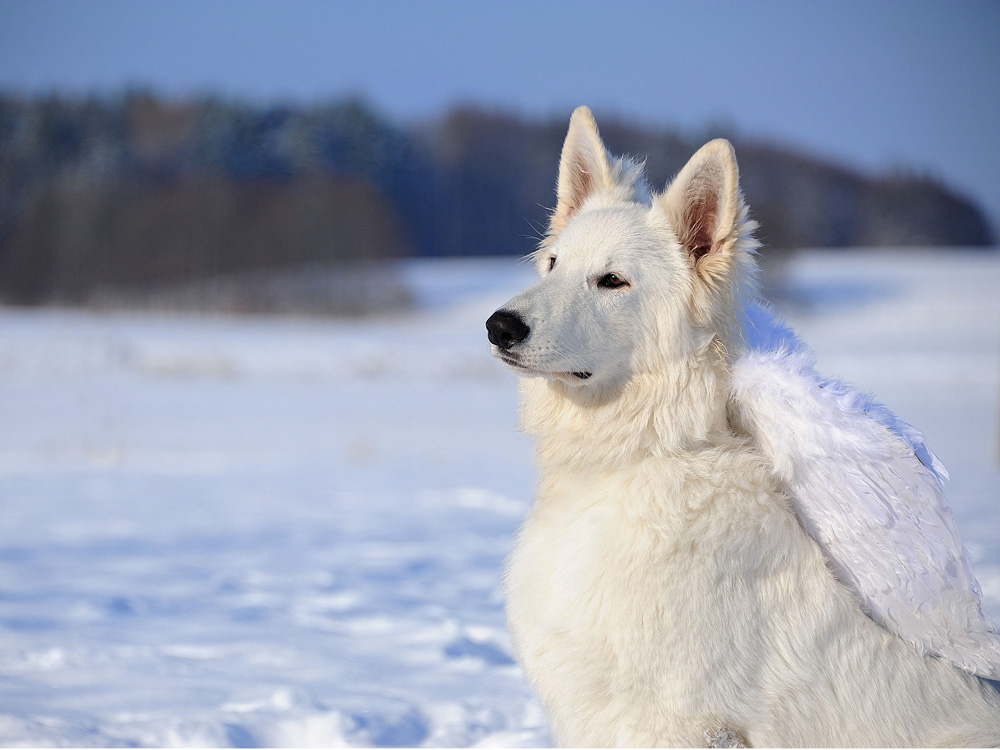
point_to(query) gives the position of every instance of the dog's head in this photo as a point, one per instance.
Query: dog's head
(629, 282)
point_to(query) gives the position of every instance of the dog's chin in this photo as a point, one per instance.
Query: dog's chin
(514, 362)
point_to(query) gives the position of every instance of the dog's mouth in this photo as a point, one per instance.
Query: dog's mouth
(513, 361)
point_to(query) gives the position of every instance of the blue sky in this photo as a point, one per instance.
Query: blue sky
(879, 84)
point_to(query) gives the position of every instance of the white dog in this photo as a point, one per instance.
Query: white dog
(725, 548)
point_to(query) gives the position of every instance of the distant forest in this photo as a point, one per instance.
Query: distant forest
(136, 192)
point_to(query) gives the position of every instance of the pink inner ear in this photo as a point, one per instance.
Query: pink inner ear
(581, 185)
(699, 251)
(699, 229)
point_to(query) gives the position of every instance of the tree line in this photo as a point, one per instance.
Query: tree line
(137, 191)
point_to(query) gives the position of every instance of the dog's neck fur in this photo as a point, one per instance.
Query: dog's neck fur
(654, 415)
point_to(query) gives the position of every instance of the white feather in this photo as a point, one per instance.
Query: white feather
(867, 488)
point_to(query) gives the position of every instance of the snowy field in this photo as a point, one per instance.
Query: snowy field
(286, 532)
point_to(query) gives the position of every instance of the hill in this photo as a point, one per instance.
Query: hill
(136, 193)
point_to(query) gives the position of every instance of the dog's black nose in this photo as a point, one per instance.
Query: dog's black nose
(505, 328)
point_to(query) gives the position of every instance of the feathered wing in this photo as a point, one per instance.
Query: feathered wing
(869, 491)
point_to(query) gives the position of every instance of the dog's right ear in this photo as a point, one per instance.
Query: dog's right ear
(586, 170)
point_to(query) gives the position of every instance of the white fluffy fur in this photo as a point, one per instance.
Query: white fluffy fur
(662, 591)
(851, 471)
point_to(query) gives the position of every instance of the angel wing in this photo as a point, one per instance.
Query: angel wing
(867, 488)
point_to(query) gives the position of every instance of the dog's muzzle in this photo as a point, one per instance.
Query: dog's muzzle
(506, 328)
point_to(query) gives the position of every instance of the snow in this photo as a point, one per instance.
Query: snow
(249, 531)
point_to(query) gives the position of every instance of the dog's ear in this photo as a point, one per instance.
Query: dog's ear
(706, 210)
(587, 169)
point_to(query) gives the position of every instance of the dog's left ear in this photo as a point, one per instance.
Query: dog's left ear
(705, 208)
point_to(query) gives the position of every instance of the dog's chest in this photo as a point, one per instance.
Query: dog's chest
(627, 601)
(614, 588)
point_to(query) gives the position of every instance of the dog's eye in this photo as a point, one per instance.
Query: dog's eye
(612, 281)
(552, 262)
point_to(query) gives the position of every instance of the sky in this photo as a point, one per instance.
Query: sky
(880, 85)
